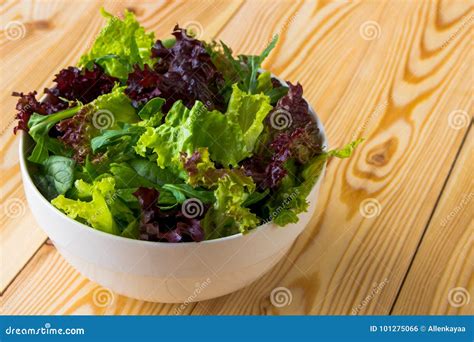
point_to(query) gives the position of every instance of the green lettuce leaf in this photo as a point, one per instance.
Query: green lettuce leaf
(95, 212)
(152, 109)
(228, 215)
(120, 45)
(229, 137)
(233, 191)
(248, 111)
(114, 136)
(117, 103)
(265, 86)
(201, 171)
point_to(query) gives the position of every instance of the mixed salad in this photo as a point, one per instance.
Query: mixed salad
(172, 140)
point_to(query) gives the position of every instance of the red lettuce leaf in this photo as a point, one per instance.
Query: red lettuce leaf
(72, 84)
(142, 85)
(82, 85)
(75, 132)
(299, 140)
(183, 72)
(165, 225)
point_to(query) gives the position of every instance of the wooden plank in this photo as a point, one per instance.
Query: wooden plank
(441, 278)
(398, 91)
(49, 285)
(50, 35)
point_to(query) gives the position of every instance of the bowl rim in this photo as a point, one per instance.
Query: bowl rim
(26, 176)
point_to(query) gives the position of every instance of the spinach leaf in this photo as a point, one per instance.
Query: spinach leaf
(151, 171)
(61, 171)
(183, 191)
(45, 185)
(110, 137)
(126, 177)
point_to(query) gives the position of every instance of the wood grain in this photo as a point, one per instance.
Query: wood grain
(49, 285)
(397, 91)
(441, 279)
(398, 88)
(54, 33)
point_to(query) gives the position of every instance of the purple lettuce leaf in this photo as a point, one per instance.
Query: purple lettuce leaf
(76, 133)
(165, 225)
(297, 140)
(72, 84)
(82, 85)
(183, 72)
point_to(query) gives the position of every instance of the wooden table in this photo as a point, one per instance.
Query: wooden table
(393, 231)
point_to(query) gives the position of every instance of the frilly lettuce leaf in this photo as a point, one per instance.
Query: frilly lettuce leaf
(201, 171)
(95, 212)
(228, 216)
(229, 137)
(290, 200)
(105, 112)
(118, 104)
(232, 189)
(120, 45)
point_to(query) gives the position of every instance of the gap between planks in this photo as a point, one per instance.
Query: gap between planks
(440, 195)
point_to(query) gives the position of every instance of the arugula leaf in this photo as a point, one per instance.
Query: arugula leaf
(244, 70)
(39, 126)
(126, 177)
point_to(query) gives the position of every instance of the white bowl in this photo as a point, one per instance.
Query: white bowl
(164, 272)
